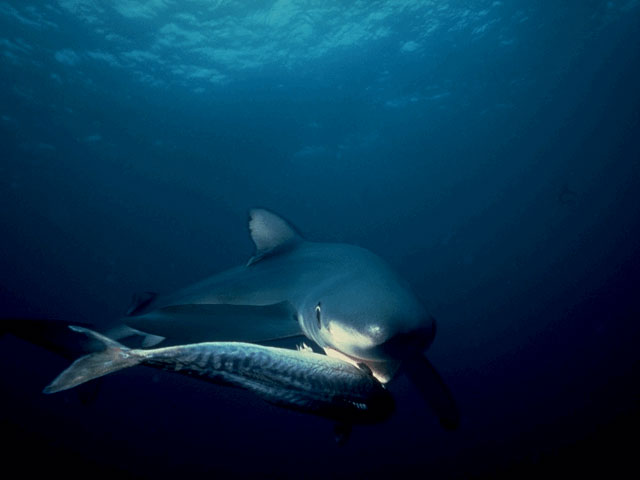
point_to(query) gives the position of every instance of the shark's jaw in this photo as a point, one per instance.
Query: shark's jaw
(383, 370)
(382, 355)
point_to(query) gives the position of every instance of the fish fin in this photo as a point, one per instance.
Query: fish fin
(139, 302)
(52, 335)
(113, 358)
(433, 390)
(150, 340)
(143, 339)
(270, 233)
(196, 323)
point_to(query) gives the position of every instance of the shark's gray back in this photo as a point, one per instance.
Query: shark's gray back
(291, 276)
(290, 286)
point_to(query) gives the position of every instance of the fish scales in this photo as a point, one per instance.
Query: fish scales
(308, 381)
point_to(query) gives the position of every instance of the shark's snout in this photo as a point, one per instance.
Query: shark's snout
(380, 342)
(405, 344)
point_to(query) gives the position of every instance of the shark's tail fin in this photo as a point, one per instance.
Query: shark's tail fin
(114, 357)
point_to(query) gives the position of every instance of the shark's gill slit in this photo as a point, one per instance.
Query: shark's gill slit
(318, 315)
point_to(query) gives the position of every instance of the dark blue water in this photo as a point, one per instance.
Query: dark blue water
(489, 150)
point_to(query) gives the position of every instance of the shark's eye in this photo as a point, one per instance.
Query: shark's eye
(318, 315)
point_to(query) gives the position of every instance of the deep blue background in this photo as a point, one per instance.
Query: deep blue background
(488, 150)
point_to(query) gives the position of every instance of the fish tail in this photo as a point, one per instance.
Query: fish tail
(114, 357)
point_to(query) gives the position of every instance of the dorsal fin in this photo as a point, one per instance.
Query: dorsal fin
(270, 233)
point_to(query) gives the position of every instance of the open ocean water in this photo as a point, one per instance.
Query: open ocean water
(488, 150)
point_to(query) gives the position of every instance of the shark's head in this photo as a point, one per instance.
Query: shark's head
(350, 301)
(368, 315)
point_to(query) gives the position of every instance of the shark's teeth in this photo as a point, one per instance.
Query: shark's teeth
(359, 406)
(304, 348)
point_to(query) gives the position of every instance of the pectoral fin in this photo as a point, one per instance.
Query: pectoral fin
(433, 390)
(194, 323)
